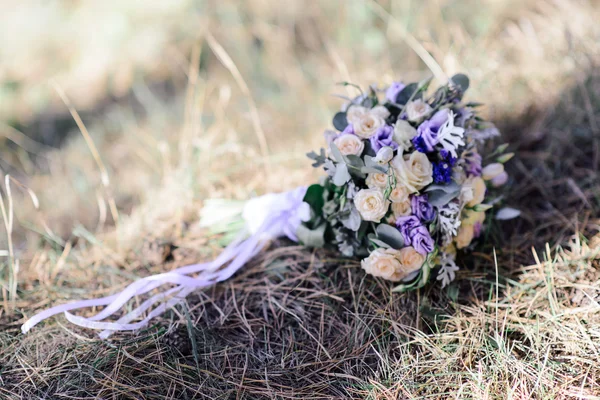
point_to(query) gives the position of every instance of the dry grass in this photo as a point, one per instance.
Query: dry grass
(297, 324)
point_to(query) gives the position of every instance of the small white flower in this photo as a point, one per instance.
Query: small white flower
(417, 109)
(499, 180)
(491, 171)
(403, 134)
(384, 155)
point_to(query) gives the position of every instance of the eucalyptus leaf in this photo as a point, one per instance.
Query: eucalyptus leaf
(311, 237)
(341, 175)
(440, 195)
(373, 239)
(390, 235)
(352, 220)
(336, 153)
(461, 81)
(340, 122)
(406, 93)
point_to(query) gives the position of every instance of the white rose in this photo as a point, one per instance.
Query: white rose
(380, 111)
(371, 204)
(349, 144)
(355, 113)
(403, 134)
(383, 263)
(399, 194)
(491, 171)
(500, 179)
(367, 125)
(417, 109)
(377, 180)
(414, 171)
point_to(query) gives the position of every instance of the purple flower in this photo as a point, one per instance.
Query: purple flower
(477, 229)
(349, 129)
(422, 208)
(421, 240)
(405, 225)
(428, 131)
(383, 137)
(473, 164)
(442, 170)
(392, 92)
(415, 234)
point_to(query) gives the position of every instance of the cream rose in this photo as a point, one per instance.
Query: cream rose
(472, 217)
(411, 261)
(378, 180)
(478, 189)
(380, 111)
(414, 171)
(371, 204)
(491, 171)
(349, 144)
(383, 263)
(399, 194)
(401, 209)
(417, 109)
(367, 125)
(355, 113)
(403, 134)
(464, 236)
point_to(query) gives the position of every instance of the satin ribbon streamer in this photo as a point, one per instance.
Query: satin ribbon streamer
(267, 217)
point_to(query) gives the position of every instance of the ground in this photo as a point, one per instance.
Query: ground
(521, 321)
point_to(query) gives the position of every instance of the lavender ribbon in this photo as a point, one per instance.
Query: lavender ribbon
(267, 217)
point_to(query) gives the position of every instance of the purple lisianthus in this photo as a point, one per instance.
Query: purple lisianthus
(473, 164)
(349, 129)
(422, 240)
(405, 225)
(383, 137)
(415, 234)
(427, 132)
(422, 208)
(392, 92)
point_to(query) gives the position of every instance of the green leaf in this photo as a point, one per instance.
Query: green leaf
(339, 121)
(311, 237)
(390, 235)
(314, 198)
(461, 81)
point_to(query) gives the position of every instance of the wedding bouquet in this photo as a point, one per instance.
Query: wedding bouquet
(405, 186)
(405, 189)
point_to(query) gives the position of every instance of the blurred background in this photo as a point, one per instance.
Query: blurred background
(127, 113)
